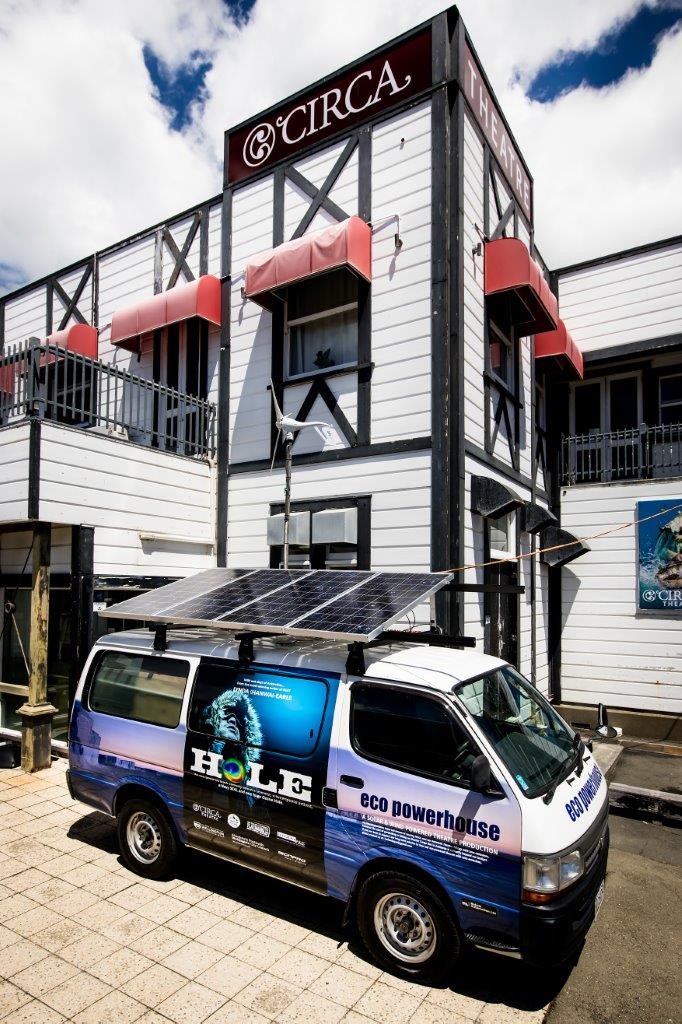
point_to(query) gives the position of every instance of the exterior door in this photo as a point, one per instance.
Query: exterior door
(503, 612)
(255, 765)
(402, 773)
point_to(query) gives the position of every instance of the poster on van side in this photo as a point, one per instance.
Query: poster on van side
(256, 760)
(659, 555)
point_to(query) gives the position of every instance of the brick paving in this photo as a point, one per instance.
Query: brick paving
(83, 939)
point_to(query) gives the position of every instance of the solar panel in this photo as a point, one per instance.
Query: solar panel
(371, 607)
(346, 605)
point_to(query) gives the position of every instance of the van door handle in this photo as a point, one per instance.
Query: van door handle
(353, 781)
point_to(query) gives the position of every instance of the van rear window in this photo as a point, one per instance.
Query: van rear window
(140, 688)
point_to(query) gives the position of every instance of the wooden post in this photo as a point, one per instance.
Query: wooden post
(37, 712)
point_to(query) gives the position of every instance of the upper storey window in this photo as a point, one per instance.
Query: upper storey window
(322, 324)
(500, 341)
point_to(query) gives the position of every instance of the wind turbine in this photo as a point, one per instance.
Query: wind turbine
(286, 425)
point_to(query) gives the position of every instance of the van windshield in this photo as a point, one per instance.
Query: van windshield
(524, 729)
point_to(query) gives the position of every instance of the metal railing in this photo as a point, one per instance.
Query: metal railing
(640, 453)
(44, 380)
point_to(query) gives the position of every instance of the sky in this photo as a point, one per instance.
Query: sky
(112, 114)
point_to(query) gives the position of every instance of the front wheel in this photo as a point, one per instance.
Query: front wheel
(406, 927)
(146, 839)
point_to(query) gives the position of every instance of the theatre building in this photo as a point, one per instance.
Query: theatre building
(371, 260)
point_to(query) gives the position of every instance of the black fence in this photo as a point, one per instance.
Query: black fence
(44, 380)
(642, 453)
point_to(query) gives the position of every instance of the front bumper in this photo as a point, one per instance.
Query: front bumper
(551, 933)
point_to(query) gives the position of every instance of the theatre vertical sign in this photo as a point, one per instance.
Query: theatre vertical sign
(492, 124)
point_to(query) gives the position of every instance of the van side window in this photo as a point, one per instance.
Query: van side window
(257, 708)
(144, 689)
(410, 732)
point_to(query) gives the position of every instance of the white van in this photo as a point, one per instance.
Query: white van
(433, 790)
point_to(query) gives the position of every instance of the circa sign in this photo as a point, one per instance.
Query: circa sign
(488, 115)
(382, 81)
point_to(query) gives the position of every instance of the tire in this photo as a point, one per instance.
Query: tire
(388, 905)
(146, 839)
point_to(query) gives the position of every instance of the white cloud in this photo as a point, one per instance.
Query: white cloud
(88, 154)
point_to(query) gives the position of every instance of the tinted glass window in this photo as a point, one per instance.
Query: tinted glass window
(671, 399)
(258, 708)
(587, 398)
(145, 689)
(527, 733)
(623, 391)
(410, 732)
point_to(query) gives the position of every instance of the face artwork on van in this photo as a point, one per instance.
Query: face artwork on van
(257, 748)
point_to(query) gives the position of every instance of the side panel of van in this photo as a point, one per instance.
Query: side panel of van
(127, 728)
(255, 764)
(469, 841)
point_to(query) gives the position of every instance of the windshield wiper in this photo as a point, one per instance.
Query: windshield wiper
(573, 764)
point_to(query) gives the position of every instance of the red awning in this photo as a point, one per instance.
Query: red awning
(198, 298)
(79, 338)
(560, 344)
(348, 244)
(510, 270)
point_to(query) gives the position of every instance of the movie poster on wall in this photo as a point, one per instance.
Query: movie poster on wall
(659, 547)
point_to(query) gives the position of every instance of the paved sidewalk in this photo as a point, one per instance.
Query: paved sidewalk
(82, 939)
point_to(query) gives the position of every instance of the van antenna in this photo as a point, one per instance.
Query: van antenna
(287, 426)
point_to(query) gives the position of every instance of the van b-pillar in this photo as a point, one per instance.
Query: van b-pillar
(36, 713)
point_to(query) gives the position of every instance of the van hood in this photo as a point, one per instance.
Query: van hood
(577, 803)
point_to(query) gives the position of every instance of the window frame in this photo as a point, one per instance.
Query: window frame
(497, 335)
(94, 667)
(450, 713)
(324, 314)
(277, 670)
(509, 553)
(665, 404)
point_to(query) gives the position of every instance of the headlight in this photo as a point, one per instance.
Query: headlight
(544, 877)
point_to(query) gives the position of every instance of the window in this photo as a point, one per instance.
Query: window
(522, 727)
(587, 403)
(322, 324)
(670, 398)
(501, 537)
(257, 708)
(410, 732)
(501, 353)
(141, 688)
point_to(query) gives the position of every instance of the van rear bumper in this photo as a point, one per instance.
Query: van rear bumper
(550, 934)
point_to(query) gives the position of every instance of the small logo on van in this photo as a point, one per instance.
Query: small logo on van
(260, 830)
(233, 820)
(210, 813)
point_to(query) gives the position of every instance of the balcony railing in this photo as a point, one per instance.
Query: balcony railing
(641, 453)
(44, 380)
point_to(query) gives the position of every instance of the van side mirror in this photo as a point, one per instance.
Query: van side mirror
(480, 773)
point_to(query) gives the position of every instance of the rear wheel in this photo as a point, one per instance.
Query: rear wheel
(406, 926)
(146, 839)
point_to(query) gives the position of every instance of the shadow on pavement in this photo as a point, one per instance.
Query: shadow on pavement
(478, 975)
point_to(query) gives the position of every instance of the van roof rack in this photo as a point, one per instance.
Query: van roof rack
(355, 663)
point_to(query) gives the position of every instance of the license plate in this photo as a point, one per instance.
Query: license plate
(599, 899)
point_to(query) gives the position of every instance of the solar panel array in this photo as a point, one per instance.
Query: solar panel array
(345, 605)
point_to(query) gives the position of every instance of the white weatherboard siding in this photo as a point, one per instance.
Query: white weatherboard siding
(126, 277)
(14, 463)
(608, 652)
(400, 486)
(15, 548)
(251, 328)
(125, 490)
(401, 279)
(25, 316)
(631, 299)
